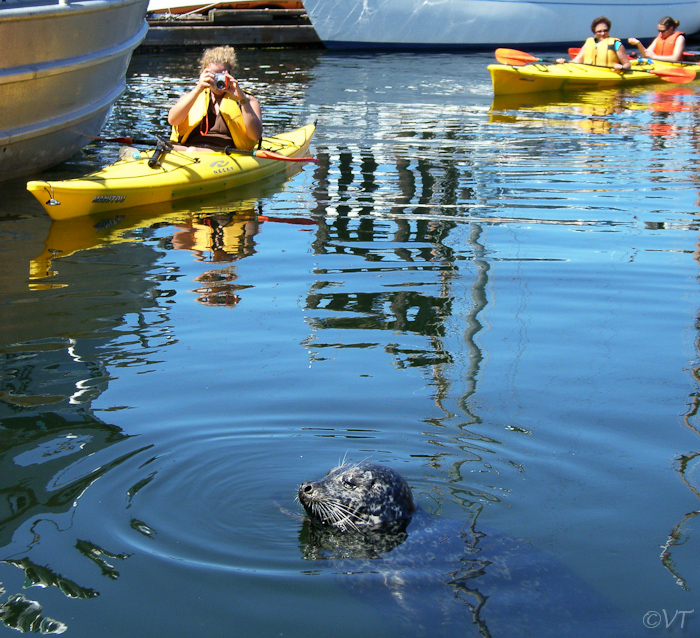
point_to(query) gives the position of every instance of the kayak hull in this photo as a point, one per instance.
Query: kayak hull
(531, 78)
(131, 182)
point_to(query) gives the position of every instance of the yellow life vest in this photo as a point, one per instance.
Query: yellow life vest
(231, 112)
(601, 53)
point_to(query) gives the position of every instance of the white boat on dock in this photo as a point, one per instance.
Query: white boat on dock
(180, 7)
(486, 24)
(63, 65)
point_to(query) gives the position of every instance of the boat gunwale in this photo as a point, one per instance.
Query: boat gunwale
(10, 75)
(43, 10)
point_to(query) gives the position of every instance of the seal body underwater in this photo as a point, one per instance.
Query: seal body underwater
(438, 577)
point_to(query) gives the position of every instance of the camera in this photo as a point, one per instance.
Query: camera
(220, 80)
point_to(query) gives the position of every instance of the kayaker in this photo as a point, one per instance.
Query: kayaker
(601, 49)
(667, 46)
(217, 112)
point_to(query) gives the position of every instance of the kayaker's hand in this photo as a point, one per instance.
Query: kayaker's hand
(560, 60)
(206, 80)
(633, 41)
(233, 89)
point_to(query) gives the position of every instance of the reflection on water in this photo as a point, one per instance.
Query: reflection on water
(498, 298)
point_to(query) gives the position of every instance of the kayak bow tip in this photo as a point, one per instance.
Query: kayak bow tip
(37, 186)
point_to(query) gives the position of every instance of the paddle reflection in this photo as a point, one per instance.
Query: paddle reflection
(218, 229)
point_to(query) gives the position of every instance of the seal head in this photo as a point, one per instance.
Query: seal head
(358, 497)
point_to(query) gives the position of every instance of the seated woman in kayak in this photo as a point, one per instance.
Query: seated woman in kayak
(601, 49)
(667, 46)
(216, 113)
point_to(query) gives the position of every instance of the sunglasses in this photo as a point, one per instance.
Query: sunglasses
(602, 31)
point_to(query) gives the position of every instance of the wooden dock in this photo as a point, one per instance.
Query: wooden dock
(237, 27)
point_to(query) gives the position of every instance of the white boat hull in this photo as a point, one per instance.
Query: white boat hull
(485, 24)
(61, 69)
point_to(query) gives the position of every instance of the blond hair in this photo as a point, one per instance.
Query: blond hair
(219, 55)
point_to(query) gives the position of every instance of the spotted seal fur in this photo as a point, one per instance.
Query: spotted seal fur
(359, 497)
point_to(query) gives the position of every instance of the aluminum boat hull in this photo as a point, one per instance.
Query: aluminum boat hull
(62, 68)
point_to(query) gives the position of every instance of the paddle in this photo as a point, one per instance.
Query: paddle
(677, 75)
(518, 58)
(229, 150)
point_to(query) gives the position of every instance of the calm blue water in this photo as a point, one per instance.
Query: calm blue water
(499, 300)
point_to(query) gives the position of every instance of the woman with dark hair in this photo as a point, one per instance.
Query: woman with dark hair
(601, 49)
(667, 46)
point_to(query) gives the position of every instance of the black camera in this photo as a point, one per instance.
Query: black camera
(220, 81)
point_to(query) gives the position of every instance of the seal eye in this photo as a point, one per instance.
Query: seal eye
(349, 485)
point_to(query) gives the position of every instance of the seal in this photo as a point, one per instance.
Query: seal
(435, 577)
(359, 497)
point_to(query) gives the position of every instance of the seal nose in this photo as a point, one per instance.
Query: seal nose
(307, 492)
(306, 488)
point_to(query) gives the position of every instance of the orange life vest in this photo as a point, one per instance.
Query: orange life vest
(667, 44)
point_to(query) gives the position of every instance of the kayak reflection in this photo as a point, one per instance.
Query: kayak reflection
(591, 111)
(216, 229)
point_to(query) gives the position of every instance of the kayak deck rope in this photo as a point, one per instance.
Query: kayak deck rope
(51, 201)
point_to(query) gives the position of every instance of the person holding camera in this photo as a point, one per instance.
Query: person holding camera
(216, 113)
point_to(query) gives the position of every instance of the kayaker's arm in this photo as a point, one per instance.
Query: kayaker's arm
(640, 47)
(178, 113)
(624, 63)
(578, 58)
(250, 108)
(649, 52)
(677, 54)
(252, 117)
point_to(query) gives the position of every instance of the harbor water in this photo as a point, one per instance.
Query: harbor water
(498, 298)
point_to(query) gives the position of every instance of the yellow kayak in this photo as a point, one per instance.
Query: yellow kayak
(509, 80)
(133, 182)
